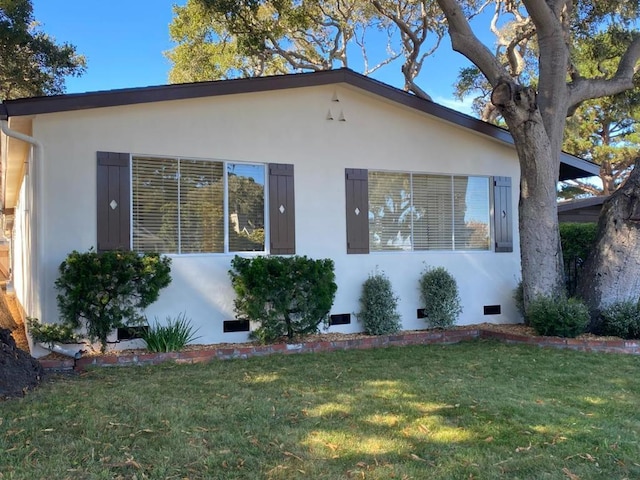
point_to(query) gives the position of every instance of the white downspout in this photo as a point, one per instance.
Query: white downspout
(37, 230)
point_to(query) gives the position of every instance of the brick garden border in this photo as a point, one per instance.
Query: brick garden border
(402, 339)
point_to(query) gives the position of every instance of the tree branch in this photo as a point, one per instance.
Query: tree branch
(464, 41)
(582, 89)
(587, 187)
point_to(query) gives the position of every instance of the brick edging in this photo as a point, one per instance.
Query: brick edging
(401, 339)
(631, 347)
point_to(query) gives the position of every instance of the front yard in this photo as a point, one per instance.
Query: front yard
(476, 410)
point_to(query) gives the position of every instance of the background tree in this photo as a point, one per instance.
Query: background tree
(222, 39)
(31, 62)
(536, 113)
(604, 130)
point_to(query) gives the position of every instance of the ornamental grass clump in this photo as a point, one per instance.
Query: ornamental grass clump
(286, 296)
(439, 295)
(172, 336)
(378, 306)
(558, 316)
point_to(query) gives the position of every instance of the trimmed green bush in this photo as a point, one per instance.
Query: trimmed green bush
(172, 336)
(558, 316)
(621, 319)
(104, 291)
(378, 306)
(439, 295)
(287, 296)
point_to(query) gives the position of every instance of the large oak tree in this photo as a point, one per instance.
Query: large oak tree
(31, 62)
(227, 39)
(536, 117)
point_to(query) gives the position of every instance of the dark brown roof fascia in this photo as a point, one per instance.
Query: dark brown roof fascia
(571, 167)
(578, 203)
(161, 93)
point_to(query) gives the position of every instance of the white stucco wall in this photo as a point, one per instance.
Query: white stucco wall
(21, 251)
(284, 127)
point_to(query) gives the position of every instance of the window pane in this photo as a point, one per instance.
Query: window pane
(201, 206)
(389, 211)
(155, 205)
(471, 213)
(246, 207)
(433, 212)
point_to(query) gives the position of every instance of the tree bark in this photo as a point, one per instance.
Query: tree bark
(610, 273)
(542, 266)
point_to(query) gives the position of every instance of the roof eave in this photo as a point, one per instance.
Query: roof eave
(571, 167)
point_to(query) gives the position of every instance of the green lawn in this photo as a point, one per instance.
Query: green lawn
(477, 410)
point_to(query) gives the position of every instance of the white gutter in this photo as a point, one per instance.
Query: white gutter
(37, 230)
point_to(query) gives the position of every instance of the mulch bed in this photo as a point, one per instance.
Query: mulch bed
(508, 333)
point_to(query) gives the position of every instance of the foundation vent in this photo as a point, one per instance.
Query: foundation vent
(230, 326)
(492, 310)
(340, 319)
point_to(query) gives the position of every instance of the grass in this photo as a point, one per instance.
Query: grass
(478, 410)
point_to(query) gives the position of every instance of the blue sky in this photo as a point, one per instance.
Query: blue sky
(124, 42)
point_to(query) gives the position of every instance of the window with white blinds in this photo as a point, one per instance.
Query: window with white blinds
(411, 211)
(180, 205)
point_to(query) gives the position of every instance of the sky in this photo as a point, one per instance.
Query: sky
(123, 42)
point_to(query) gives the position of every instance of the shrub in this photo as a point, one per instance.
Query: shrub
(50, 332)
(287, 296)
(558, 316)
(439, 294)
(621, 319)
(577, 239)
(518, 298)
(173, 336)
(103, 291)
(378, 306)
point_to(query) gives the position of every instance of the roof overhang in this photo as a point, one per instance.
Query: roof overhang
(15, 155)
(571, 166)
(578, 203)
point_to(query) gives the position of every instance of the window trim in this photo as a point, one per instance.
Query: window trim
(490, 214)
(225, 163)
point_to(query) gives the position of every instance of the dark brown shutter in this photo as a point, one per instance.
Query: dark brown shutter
(502, 198)
(357, 192)
(114, 211)
(282, 213)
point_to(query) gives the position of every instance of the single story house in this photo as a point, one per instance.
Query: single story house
(581, 210)
(329, 165)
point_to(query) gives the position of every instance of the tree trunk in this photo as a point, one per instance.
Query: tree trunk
(541, 257)
(610, 273)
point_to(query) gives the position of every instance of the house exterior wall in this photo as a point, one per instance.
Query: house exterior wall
(21, 254)
(287, 126)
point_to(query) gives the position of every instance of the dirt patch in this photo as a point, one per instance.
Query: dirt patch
(19, 372)
(11, 319)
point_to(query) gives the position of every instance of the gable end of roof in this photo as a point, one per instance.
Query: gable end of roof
(571, 167)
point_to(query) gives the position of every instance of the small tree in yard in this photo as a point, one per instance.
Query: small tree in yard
(287, 296)
(103, 291)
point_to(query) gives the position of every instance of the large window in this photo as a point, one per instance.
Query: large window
(410, 211)
(180, 206)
